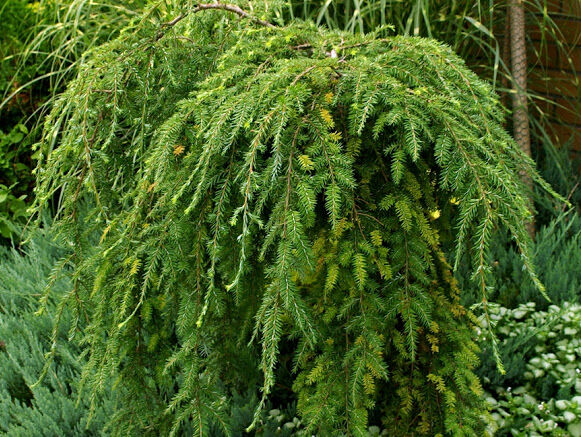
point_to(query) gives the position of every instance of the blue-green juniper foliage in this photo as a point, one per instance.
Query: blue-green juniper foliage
(270, 195)
(50, 408)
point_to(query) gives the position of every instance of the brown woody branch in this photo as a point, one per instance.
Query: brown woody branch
(216, 6)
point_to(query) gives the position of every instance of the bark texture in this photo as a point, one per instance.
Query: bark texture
(519, 65)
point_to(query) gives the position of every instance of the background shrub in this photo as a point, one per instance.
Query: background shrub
(49, 408)
(557, 256)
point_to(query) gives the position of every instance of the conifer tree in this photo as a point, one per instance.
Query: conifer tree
(259, 189)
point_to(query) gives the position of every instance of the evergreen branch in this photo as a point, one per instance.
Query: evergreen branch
(231, 8)
(212, 6)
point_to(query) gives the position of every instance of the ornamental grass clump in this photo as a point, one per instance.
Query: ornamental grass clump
(269, 200)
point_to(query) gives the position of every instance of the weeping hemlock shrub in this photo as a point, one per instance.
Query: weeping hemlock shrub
(272, 198)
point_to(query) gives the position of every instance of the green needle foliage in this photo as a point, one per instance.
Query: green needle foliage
(269, 194)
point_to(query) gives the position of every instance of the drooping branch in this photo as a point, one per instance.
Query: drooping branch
(216, 6)
(232, 8)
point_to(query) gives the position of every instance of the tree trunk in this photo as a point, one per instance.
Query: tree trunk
(519, 97)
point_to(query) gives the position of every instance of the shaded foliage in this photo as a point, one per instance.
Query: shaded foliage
(556, 254)
(50, 407)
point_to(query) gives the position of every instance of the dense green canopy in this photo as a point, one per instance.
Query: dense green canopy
(269, 198)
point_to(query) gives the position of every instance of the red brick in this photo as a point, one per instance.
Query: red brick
(563, 133)
(571, 58)
(554, 82)
(567, 111)
(546, 54)
(554, 6)
(543, 106)
(571, 8)
(566, 30)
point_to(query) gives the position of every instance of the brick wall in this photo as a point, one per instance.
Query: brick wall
(553, 61)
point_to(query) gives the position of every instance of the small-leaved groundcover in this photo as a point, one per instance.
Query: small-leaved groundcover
(546, 399)
(270, 202)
